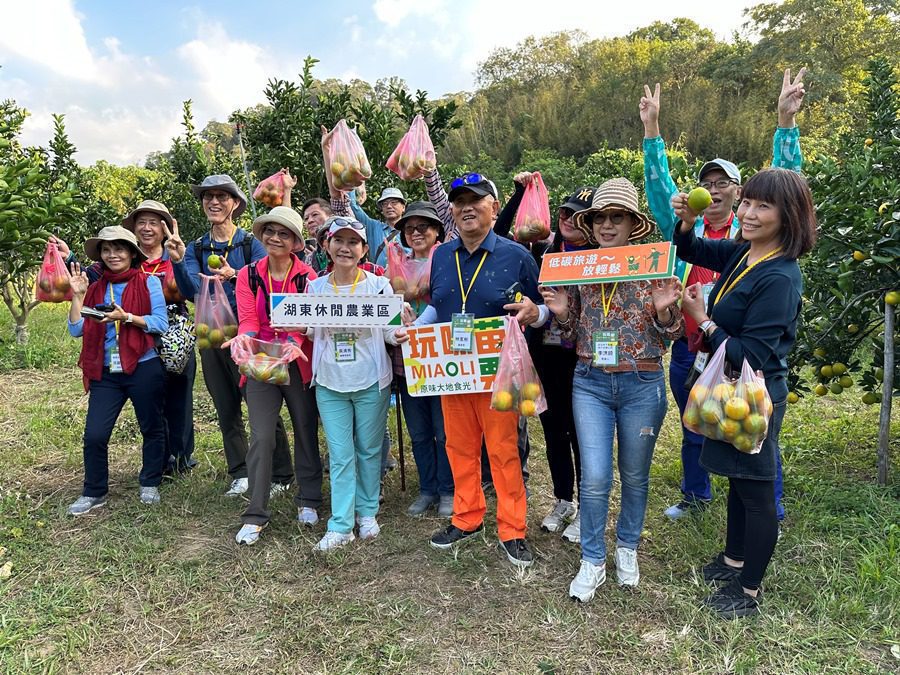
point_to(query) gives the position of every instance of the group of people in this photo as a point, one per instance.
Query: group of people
(598, 349)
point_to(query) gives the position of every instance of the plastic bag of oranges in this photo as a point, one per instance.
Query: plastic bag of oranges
(263, 361)
(517, 387)
(52, 284)
(733, 410)
(409, 276)
(414, 155)
(533, 216)
(271, 190)
(214, 321)
(347, 159)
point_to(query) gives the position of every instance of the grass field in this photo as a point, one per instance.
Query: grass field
(132, 589)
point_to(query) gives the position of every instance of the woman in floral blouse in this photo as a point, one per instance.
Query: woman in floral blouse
(619, 330)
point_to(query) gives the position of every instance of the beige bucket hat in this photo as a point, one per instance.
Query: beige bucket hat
(111, 233)
(152, 206)
(284, 216)
(618, 192)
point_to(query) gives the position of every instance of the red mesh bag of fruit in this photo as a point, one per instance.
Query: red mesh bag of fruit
(271, 190)
(517, 387)
(347, 159)
(214, 321)
(414, 155)
(262, 361)
(53, 278)
(533, 217)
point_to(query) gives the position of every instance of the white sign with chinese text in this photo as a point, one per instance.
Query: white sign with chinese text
(289, 310)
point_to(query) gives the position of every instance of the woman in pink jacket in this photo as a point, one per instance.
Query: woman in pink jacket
(281, 271)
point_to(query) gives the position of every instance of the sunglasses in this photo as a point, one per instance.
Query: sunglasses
(421, 228)
(471, 179)
(218, 196)
(341, 223)
(616, 218)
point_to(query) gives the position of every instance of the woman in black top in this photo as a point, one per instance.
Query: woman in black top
(754, 305)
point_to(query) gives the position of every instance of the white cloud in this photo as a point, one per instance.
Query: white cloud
(394, 12)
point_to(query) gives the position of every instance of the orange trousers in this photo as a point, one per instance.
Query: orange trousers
(466, 418)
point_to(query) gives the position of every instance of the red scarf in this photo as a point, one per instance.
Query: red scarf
(133, 341)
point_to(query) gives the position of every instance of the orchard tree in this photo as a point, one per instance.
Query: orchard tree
(39, 196)
(852, 277)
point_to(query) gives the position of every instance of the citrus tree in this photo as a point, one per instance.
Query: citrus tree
(39, 196)
(852, 277)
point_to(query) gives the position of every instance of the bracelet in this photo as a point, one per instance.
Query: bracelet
(564, 323)
(129, 318)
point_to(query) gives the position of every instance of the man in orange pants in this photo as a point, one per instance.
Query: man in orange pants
(473, 277)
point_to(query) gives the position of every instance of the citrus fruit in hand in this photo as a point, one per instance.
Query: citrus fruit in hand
(214, 262)
(698, 199)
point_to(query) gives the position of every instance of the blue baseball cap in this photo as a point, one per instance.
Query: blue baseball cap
(730, 169)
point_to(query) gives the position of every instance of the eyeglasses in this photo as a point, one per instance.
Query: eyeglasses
(284, 235)
(721, 184)
(218, 196)
(340, 223)
(421, 228)
(614, 217)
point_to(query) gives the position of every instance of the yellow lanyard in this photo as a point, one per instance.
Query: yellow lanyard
(465, 292)
(726, 287)
(607, 303)
(353, 287)
(112, 301)
(143, 267)
(212, 241)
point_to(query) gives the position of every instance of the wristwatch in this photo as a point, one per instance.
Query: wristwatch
(707, 327)
(129, 318)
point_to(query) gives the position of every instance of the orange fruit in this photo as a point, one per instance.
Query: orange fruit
(792, 397)
(729, 428)
(723, 392)
(710, 412)
(528, 408)
(531, 391)
(737, 408)
(216, 337)
(691, 417)
(698, 199)
(743, 443)
(502, 401)
(755, 425)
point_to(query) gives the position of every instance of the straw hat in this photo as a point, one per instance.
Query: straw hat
(111, 233)
(287, 218)
(152, 206)
(617, 192)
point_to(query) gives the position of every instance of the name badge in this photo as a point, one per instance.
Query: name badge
(700, 361)
(345, 347)
(115, 361)
(462, 332)
(552, 336)
(707, 291)
(606, 348)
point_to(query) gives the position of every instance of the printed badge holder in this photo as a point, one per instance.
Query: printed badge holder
(53, 280)
(409, 277)
(214, 322)
(733, 410)
(414, 155)
(347, 159)
(517, 387)
(270, 191)
(262, 361)
(533, 216)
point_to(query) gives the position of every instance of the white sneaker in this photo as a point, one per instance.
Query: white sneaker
(589, 578)
(238, 487)
(561, 514)
(150, 495)
(573, 531)
(248, 534)
(307, 516)
(368, 527)
(627, 571)
(84, 504)
(333, 540)
(277, 489)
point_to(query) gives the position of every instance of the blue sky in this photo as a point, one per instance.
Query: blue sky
(120, 70)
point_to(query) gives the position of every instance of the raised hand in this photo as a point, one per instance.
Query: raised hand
(682, 211)
(174, 245)
(665, 293)
(791, 98)
(61, 246)
(523, 178)
(649, 110)
(692, 302)
(78, 281)
(556, 301)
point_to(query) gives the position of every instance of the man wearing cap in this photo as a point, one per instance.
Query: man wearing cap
(392, 204)
(315, 212)
(723, 180)
(222, 252)
(470, 279)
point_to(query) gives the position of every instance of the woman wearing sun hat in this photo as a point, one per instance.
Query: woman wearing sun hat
(119, 360)
(619, 330)
(281, 271)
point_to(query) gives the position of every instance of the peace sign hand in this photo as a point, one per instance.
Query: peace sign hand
(791, 98)
(649, 111)
(174, 245)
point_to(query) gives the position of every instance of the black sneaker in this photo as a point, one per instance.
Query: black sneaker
(452, 536)
(517, 552)
(718, 571)
(730, 601)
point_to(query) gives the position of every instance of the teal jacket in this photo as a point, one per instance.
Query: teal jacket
(660, 187)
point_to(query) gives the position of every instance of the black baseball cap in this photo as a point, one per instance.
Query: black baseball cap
(579, 200)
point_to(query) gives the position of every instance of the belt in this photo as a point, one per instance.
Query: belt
(645, 365)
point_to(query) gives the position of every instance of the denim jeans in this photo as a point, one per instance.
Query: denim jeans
(425, 422)
(354, 428)
(630, 406)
